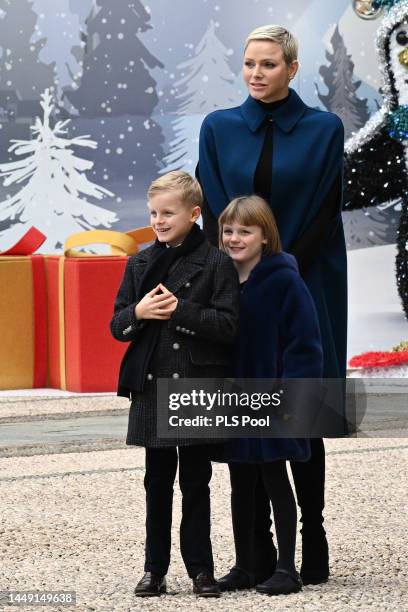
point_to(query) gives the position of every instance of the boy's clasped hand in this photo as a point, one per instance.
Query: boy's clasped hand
(159, 303)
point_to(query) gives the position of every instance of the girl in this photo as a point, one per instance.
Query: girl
(279, 338)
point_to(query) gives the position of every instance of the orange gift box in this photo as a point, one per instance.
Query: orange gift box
(83, 356)
(23, 315)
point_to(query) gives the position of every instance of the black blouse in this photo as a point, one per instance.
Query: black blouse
(263, 172)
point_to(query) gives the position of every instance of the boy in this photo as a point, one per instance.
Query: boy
(178, 305)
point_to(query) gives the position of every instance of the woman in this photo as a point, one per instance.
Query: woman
(279, 338)
(292, 155)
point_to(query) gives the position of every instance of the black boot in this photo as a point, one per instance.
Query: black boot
(309, 483)
(315, 555)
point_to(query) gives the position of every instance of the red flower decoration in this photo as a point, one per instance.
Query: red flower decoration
(379, 359)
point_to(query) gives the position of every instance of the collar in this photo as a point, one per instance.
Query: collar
(198, 256)
(286, 116)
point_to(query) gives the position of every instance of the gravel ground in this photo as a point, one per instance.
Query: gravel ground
(75, 521)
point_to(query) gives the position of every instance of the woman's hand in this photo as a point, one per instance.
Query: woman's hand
(159, 304)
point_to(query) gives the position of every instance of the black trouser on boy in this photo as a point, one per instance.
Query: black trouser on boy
(194, 477)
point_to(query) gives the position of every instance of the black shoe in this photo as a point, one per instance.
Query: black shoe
(315, 556)
(281, 583)
(204, 585)
(236, 580)
(151, 585)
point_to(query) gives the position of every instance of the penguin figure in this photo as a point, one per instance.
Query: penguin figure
(376, 169)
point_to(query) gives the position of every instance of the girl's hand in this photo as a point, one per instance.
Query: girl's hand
(159, 304)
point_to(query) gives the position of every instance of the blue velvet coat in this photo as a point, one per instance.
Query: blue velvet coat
(307, 160)
(279, 337)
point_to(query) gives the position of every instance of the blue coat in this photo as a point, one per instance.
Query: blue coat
(279, 337)
(307, 160)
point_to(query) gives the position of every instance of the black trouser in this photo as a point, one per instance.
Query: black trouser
(258, 556)
(194, 477)
(255, 552)
(251, 510)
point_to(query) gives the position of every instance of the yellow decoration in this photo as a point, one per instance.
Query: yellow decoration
(120, 243)
(402, 346)
(403, 58)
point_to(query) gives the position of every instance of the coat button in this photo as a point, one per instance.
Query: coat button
(193, 333)
(183, 329)
(175, 375)
(187, 285)
(176, 346)
(178, 328)
(150, 377)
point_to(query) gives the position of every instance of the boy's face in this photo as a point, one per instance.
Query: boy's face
(171, 218)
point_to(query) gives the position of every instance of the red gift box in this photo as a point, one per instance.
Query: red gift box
(83, 356)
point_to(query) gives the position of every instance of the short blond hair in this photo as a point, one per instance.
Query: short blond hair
(252, 210)
(181, 181)
(277, 34)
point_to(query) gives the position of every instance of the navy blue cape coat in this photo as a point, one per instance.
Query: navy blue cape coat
(279, 337)
(307, 160)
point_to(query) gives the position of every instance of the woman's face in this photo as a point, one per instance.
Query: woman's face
(265, 71)
(243, 243)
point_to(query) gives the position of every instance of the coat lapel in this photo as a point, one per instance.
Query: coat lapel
(186, 268)
(181, 272)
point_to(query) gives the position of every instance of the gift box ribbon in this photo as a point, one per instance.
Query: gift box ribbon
(28, 243)
(26, 246)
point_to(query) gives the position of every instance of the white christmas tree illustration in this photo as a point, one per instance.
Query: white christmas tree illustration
(55, 179)
(207, 83)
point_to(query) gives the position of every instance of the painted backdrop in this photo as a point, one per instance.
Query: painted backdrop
(98, 97)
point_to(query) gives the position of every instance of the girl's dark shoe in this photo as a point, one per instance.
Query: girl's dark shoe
(281, 583)
(204, 585)
(151, 585)
(315, 556)
(236, 580)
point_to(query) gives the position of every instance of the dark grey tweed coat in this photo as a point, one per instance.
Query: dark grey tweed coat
(194, 343)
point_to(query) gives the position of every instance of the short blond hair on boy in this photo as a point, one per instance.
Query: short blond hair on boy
(181, 181)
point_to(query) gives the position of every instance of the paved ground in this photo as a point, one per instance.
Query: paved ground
(75, 520)
(41, 425)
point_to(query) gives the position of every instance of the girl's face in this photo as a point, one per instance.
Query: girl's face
(265, 71)
(243, 243)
